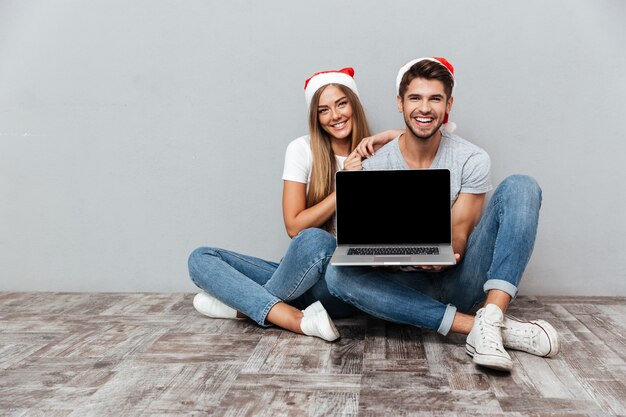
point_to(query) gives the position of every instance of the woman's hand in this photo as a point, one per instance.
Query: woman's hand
(353, 162)
(368, 146)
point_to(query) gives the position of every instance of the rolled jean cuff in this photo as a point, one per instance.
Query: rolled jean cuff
(262, 320)
(447, 320)
(499, 284)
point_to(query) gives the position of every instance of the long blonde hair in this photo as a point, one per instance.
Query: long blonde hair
(324, 162)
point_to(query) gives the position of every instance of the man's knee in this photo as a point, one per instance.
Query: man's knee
(523, 190)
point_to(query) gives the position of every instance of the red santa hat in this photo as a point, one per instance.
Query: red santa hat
(448, 126)
(318, 80)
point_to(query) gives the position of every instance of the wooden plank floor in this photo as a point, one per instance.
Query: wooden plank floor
(88, 354)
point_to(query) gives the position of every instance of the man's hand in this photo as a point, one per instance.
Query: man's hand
(353, 162)
(434, 268)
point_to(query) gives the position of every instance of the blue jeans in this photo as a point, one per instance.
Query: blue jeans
(252, 286)
(497, 253)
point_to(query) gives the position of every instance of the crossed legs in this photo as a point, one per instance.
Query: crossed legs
(497, 254)
(237, 285)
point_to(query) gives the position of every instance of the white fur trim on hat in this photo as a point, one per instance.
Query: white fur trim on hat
(317, 81)
(409, 64)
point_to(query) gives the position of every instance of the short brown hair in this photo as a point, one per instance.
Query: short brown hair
(429, 70)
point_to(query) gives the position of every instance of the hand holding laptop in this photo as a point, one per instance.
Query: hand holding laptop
(432, 268)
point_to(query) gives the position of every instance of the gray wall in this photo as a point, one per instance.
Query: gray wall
(132, 132)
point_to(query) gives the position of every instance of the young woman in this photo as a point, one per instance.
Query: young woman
(237, 286)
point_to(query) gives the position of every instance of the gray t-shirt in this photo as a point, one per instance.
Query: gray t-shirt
(469, 165)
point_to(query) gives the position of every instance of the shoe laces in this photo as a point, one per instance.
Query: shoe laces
(521, 335)
(491, 335)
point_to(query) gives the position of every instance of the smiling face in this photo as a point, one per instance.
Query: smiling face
(424, 107)
(334, 113)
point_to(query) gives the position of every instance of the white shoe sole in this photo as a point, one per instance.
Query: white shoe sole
(488, 361)
(493, 362)
(553, 336)
(470, 350)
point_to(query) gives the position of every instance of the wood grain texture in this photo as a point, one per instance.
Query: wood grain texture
(88, 354)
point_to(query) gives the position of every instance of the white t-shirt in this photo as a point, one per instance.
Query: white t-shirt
(299, 160)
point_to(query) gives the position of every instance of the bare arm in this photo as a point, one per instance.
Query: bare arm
(297, 216)
(465, 216)
(368, 146)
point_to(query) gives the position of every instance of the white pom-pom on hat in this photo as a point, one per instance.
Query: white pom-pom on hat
(449, 127)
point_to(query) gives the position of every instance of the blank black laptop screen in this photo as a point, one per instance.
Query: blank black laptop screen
(393, 207)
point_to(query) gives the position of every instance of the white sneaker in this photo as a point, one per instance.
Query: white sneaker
(484, 343)
(536, 337)
(316, 322)
(314, 308)
(212, 307)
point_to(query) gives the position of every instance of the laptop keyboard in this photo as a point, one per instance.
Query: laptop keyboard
(421, 250)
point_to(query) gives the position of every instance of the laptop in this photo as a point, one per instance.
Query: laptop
(393, 217)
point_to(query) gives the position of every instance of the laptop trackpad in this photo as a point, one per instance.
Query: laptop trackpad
(392, 259)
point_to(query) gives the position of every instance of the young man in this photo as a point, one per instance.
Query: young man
(492, 250)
